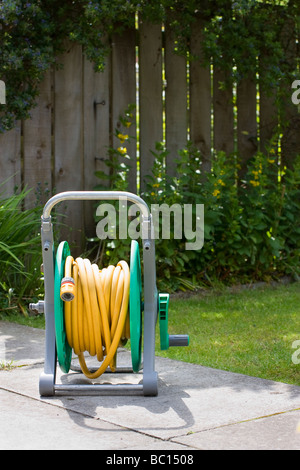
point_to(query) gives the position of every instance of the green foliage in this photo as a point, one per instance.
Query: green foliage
(251, 227)
(20, 251)
(251, 35)
(236, 35)
(173, 261)
(28, 48)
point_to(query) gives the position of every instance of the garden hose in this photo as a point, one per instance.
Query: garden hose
(95, 310)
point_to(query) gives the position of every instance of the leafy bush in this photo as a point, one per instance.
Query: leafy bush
(20, 250)
(251, 226)
(33, 34)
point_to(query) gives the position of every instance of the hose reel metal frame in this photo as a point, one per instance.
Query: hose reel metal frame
(47, 382)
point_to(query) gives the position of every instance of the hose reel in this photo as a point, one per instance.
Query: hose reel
(88, 309)
(91, 305)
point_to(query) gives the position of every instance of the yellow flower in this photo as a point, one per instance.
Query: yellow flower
(155, 185)
(271, 161)
(122, 150)
(216, 192)
(254, 183)
(128, 123)
(221, 182)
(122, 137)
(152, 194)
(255, 173)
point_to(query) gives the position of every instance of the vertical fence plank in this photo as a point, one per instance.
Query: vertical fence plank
(246, 121)
(268, 112)
(102, 91)
(290, 143)
(176, 102)
(68, 149)
(223, 130)
(124, 94)
(150, 95)
(89, 137)
(37, 148)
(95, 134)
(268, 121)
(10, 161)
(200, 98)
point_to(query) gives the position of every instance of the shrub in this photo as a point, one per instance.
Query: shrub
(20, 249)
(251, 226)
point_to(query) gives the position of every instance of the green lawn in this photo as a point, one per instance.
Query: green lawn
(248, 331)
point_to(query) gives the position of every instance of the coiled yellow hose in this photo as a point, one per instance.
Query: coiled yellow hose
(97, 318)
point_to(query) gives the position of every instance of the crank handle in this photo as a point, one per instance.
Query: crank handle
(179, 340)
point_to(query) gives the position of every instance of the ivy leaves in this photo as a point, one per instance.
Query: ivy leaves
(236, 34)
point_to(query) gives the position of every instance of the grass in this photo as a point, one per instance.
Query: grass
(16, 316)
(248, 331)
(9, 365)
(6, 365)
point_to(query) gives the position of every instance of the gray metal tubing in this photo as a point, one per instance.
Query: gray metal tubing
(150, 318)
(95, 195)
(47, 378)
(98, 389)
(178, 340)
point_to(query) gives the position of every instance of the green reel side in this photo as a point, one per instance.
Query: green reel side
(163, 307)
(64, 350)
(135, 306)
(167, 340)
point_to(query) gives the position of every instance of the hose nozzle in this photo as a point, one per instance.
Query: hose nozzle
(67, 289)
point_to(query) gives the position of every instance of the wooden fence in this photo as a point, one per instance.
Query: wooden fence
(67, 138)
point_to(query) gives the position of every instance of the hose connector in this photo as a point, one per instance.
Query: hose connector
(67, 289)
(38, 307)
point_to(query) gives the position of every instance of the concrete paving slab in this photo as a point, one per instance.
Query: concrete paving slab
(196, 408)
(276, 432)
(23, 345)
(30, 424)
